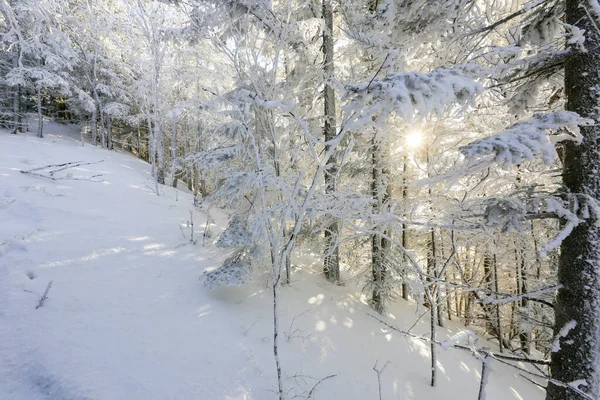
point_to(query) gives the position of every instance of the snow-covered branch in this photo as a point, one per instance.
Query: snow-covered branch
(527, 139)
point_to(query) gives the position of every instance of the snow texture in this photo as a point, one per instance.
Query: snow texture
(459, 337)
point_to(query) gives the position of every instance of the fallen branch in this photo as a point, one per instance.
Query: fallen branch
(504, 359)
(45, 296)
(485, 371)
(465, 348)
(48, 171)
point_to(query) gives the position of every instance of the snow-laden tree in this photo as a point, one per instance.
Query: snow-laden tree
(42, 58)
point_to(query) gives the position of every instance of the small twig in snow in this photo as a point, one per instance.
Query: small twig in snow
(297, 332)
(311, 394)
(45, 296)
(247, 330)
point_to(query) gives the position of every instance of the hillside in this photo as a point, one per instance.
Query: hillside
(127, 318)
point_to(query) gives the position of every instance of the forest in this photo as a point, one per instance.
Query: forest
(439, 153)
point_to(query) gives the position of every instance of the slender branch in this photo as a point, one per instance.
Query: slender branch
(45, 296)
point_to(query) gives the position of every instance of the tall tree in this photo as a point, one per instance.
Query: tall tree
(331, 264)
(577, 323)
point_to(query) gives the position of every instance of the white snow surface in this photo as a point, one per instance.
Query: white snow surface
(127, 317)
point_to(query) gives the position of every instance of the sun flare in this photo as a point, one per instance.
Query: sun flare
(414, 139)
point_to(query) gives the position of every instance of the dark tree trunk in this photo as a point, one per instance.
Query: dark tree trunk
(579, 265)
(139, 142)
(331, 264)
(109, 143)
(405, 288)
(40, 131)
(492, 312)
(524, 337)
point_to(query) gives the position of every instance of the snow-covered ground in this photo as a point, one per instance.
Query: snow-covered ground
(127, 318)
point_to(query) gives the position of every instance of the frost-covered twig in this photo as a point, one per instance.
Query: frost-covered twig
(470, 349)
(312, 392)
(506, 298)
(45, 296)
(379, 372)
(296, 332)
(247, 330)
(549, 379)
(502, 358)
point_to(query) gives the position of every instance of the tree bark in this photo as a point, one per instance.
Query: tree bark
(579, 263)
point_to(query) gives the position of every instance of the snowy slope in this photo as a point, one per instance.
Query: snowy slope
(127, 318)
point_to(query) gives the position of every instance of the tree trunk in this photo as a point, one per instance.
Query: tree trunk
(19, 108)
(524, 337)
(17, 95)
(405, 288)
(380, 244)
(109, 144)
(331, 264)
(188, 170)
(432, 255)
(39, 111)
(174, 151)
(151, 144)
(488, 274)
(498, 315)
(94, 127)
(578, 300)
(102, 126)
(139, 142)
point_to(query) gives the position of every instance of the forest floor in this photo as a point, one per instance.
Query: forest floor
(126, 316)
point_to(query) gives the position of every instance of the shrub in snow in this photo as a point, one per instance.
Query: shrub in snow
(235, 271)
(237, 234)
